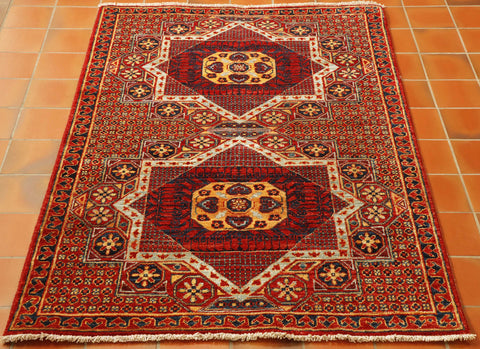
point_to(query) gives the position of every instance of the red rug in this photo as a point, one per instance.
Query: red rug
(238, 173)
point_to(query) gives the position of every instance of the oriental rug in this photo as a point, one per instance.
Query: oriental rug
(238, 173)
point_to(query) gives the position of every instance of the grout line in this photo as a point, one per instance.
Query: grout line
(461, 40)
(27, 90)
(434, 98)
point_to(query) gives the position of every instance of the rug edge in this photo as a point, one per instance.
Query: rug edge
(235, 337)
(165, 4)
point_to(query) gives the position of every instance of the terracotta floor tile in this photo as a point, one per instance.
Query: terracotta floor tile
(287, 1)
(34, 2)
(51, 93)
(448, 193)
(194, 345)
(338, 345)
(456, 93)
(3, 148)
(460, 233)
(472, 182)
(42, 123)
(67, 40)
(208, 1)
(149, 345)
(31, 157)
(11, 269)
(79, 2)
(396, 17)
(468, 286)
(437, 157)
(438, 40)
(22, 193)
(249, 2)
(74, 17)
(409, 346)
(447, 66)
(47, 345)
(429, 17)
(266, 344)
(402, 40)
(462, 123)
(8, 118)
(427, 124)
(4, 313)
(59, 66)
(473, 319)
(28, 17)
(21, 40)
(466, 16)
(471, 39)
(423, 2)
(467, 153)
(16, 231)
(387, 2)
(17, 65)
(410, 66)
(418, 94)
(475, 58)
(462, 2)
(13, 92)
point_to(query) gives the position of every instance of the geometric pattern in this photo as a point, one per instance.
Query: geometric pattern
(238, 173)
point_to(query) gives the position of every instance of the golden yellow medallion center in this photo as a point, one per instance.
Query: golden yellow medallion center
(239, 206)
(248, 68)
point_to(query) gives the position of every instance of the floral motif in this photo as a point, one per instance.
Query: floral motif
(349, 73)
(140, 91)
(169, 110)
(275, 142)
(331, 44)
(346, 59)
(300, 30)
(287, 289)
(333, 274)
(161, 150)
(104, 195)
(204, 117)
(373, 194)
(376, 214)
(109, 243)
(316, 150)
(145, 276)
(354, 171)
(273, 117)
(339, 90)
(211, 24)
(134, 59)
(124, 171)
(268, 24)
(368, 242)
(131, 73)
(178, 29)
(194, 291)
(202, 142)
(100, 215)
(148, 44)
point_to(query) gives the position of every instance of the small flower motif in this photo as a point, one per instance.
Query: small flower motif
(204, 192)
(161, 150)
(194, 291)
(202, 142)
(178, 29)
(218, 187)
(368, 242)
(275, 142)
(273, 192)
(145, 276)
(168, 109)
(301, 30)
(274, 217)
(148, 44)
(333, 274)
(354, 171)
(140, 91)
(260, 224)
(124, 171)
(131, 73)
(268, 25)
(287, 289)
(376, 213)
(258, 186)
(103, 195)
(109, 244)
(210, 24)
(339, 90)
(346, 59)
(134, 59)
(310, 109)
(204, 117)
(274, 117)
(217, 224)
(100, 215)
(203, 218)
(316, 150)
(332, 44)
(373, 194)
(349, 73)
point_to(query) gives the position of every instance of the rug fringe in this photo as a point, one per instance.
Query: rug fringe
(164, 4)
(234, 337)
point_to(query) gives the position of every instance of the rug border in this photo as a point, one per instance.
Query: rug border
(221, 335)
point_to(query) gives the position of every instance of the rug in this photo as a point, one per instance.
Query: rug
(238, 173)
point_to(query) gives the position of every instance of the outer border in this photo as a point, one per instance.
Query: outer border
(220, 335)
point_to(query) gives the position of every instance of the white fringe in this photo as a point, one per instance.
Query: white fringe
(319, 4)
(235, 337)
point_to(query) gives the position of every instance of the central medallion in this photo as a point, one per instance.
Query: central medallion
(239, 206)
(248, 68)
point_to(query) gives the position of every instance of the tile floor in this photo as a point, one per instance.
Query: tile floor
(437, 44)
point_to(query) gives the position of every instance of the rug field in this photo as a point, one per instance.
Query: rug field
(238, 173)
